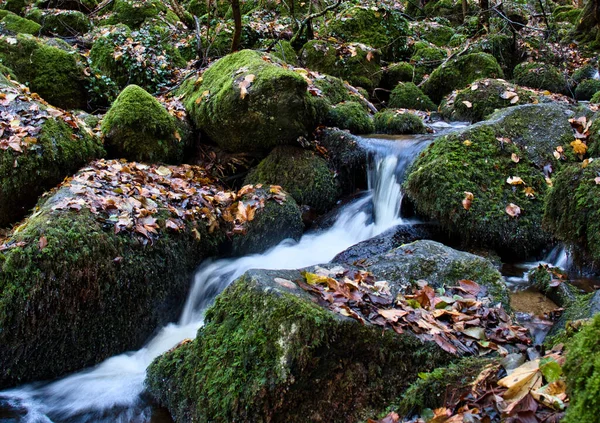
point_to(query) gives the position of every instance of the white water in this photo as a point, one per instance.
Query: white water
(557, 257)
(111, 391)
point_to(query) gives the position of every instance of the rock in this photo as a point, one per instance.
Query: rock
(562, 295)
(138, 128)
(284, 51)
(62, 23)
(502, 47)
(269, 351)
(595, 98)
(567, 14)
(14, 23)
(448, 9)
(274, 107)
(302, 173)
(381, 28)
(51, 145)
(505, 214)
(398, 123)
(346, 157)
(540, 75)
(407, 95)
(482, 98)
(426, 59)
(116, 51)
(585, 72)
(434, 32)
(56, 75)
(96, 269)
(133, 13)
(85, 6)
(459, 72)
(356, 63)
(396, 73)
(352, 116)
(14, 6)
(586, 89)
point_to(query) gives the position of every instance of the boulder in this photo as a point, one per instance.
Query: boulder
(59, 22)
(398, 72)
(586, 89)
(302, 173)
(434, 32)
(459, 72)
(398, 122)
(426, 58)
(352, 116)
(134, 13)
(14, 23)
(347, 158)
(96, 269)
(540, 75)
(55, 74)
(138, 128)
(407, 95)
(482, 98)
(248, 104)
(41, 145)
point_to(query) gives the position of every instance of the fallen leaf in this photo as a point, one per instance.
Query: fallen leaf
(514, 158)
(513, 210)
(43, 242)
(515, 180)
(579, 147)
(468, 104)
(467, 201)
(245, 84)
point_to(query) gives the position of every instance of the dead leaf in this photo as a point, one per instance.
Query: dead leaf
(245, 84)
(513, 210)
(43, 242)
(467, 201)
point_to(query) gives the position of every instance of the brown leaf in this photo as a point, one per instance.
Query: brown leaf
(43, 242)
(470, 286)
(466, 202)
(245, 84)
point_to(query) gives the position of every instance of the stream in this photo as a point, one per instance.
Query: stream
(113, 390)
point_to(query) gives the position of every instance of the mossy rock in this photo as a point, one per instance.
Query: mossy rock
(435, 33)
(407, 95)
(582, 370)
(595, 98)
(62, 23)
(271, 353)
(302, 173)
(398, 123)
(541, 76)
(573, 211)
(585, 72)
(138, 128)
(115, 54)
(352, 116)
(380, 28)
(54, 153)
(570, 15)
(398, 72)
(277, 108)
(85, 6)
(474, 161)
(450, 9)
(460, 72)
(133, 13)
(14, 6)
(356, 63)
(56, 75)
(502, 47)
(482, 98)
(284, 51)
(426, 58)
(586, 89)
(14, 23)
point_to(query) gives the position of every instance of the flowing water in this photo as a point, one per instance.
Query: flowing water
(113, 390)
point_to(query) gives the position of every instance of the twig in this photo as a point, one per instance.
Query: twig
(362, 97)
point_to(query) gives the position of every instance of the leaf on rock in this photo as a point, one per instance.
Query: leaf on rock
(579, 147)
(245, 84)
(513, 210)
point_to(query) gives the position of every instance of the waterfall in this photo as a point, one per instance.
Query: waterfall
(110, 392)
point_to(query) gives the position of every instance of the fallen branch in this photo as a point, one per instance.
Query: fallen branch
(362, 97)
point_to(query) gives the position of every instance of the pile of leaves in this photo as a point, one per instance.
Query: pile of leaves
(459, 319)
(146, 199)
(22, 115)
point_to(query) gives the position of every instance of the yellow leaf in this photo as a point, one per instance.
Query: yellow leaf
(468, 104)
(515, 180)
(529, 192)
(245, 84)
(579, 147)
(468, 143)
(521, 380)
(313, 278)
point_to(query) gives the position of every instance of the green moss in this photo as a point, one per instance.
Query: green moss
(435, 33)
(585, 72)
(540, 75)
(502, 47)
(63, 23)
(351, 116)
(586, 89)
(582, 370)
(570, 15)
(595, 98)
(391, 122)
(408, 96)
(383, 28)
(573, 210)
(14, 6)
(426, 58)
(276, 110)
(54, 74)
(460, 72)
(134, 13)
(265, 352)
(138, 128)
(450, 9)
(302, 173)
(14, 23)
(480, 166)
(482, 98)
(283, 50)
(399, 72)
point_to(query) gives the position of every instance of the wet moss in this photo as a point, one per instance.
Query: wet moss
(586, 89)
(426, 59)
(14, 23)
(351, 116)
(540, 75)
(460, 72)
(399, 72)
(407, 95)
(283, 50)
(63, 23)
(398, 123)
(301, 173)
(138, 128)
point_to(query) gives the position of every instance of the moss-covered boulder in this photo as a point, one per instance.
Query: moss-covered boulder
(582, 369)
(85, 6)
(595, 98)
(492, 180)
(398, 122)
(145, 57)
(55, 74)
(460, 72)
(381, 28)
(14, 23)
(352, 116)
(502, 46)
(347, 157)
(58, 22)
(302, 173)
(540, 75)
(108, 258)
(482, 98)
(138, 128)
(246, 103)
(356, 63)
(426, 58)
(448, 9)
(133, 13)
(14, 6)
(396, 73)
(434, 32)
(40, 146)
(586, 89)
(567, 14)
(585, 72)
(271, 352)
(573, 211)
(407, 95)
(283, 50)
